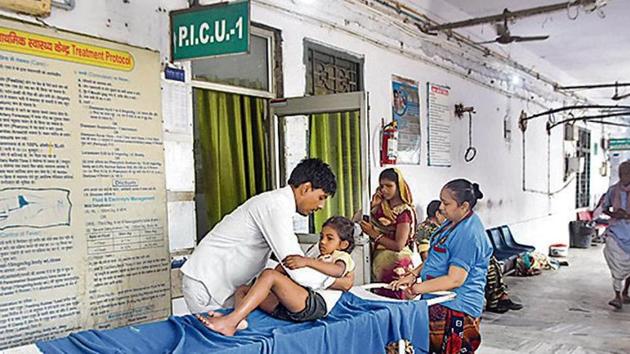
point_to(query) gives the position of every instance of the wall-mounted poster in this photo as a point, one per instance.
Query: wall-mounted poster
(406, 112)
(439, 126)
(83, 233)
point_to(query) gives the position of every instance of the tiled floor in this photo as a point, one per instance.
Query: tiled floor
(566, 311)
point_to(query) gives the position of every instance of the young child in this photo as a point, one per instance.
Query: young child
(427, 228)
(278, 295)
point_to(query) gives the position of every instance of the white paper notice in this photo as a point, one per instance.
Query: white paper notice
(176, 107)
(439, 126)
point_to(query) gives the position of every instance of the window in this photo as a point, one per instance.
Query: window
(230, 104)
(583, 175)
(231, 163)
(331, 134)
(329, 71)
(252, 71)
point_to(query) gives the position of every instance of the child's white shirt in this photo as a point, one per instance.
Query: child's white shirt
(332, 296)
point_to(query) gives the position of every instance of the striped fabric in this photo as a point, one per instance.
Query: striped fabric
(495, 287)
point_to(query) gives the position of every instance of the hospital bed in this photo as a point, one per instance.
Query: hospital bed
(361, 322)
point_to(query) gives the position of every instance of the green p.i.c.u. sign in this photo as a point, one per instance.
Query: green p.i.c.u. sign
(213, 30)
(619, 144)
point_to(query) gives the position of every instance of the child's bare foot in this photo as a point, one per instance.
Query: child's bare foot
(243, 324)
(625, 298)
(616, 303)
(222, 325)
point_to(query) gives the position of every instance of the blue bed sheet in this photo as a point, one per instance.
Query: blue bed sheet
(354, 326)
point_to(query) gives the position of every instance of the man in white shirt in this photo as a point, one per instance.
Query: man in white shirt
(238, 247)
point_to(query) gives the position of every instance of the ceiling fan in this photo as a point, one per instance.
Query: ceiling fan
(504, 36)
(617, 96)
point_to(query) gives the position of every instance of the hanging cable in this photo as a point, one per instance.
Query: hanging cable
(590, 118)
(549, 193)
(566, 108)
(577, 11)
(471, 152)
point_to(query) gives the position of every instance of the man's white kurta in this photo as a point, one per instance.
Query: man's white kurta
(238, 247)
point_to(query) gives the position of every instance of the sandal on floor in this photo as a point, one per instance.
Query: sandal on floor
(510, 304)
(498, 309)
(616, 304)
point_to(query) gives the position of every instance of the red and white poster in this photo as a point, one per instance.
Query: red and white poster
(439, 125)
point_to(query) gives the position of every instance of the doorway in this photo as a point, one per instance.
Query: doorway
(230, 153)
(330, 127)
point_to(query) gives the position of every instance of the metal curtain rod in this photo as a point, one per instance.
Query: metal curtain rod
(507, 14)
(589, 118)
(593, 86)
(613, 123)
(590, 106)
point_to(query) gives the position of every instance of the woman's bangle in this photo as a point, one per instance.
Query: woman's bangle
(377, 238)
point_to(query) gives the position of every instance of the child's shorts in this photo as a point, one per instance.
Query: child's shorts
(315, 309)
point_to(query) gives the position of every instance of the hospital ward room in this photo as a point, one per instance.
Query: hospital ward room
(314, 176)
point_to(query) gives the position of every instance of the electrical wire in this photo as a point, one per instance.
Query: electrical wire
(589, 118)
(550, 193)
(471, 151)
(566, 108)
(577, 11)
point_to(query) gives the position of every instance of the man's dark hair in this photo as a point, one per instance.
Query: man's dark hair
(433, 208)
(344, 228)
(315, 171)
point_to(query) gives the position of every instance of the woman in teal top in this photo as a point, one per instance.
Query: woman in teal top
(457, 261)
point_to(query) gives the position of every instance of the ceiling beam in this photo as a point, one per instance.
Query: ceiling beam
(593, 86)
(507, 14)
(622, 108)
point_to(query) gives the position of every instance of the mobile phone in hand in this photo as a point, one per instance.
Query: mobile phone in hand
(366, 218)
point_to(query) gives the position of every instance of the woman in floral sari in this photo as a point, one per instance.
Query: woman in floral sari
(391, 229)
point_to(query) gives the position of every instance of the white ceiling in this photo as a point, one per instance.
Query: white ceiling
(590, 49)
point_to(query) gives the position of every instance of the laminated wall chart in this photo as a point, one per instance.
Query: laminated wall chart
(406, 112)
(439, 126)
(83, 240)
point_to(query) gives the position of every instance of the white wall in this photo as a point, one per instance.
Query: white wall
(535, 218)
(391, 48)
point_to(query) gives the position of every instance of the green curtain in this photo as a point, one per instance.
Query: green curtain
(232, 155)
(336, 139)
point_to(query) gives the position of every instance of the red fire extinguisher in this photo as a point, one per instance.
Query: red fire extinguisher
(389, 143)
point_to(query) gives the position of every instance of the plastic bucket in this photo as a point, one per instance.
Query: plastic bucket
(558, 250)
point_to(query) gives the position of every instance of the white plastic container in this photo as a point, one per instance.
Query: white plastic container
(559, 250)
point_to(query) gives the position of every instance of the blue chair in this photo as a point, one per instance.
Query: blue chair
(509, 240)
(501, 251)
